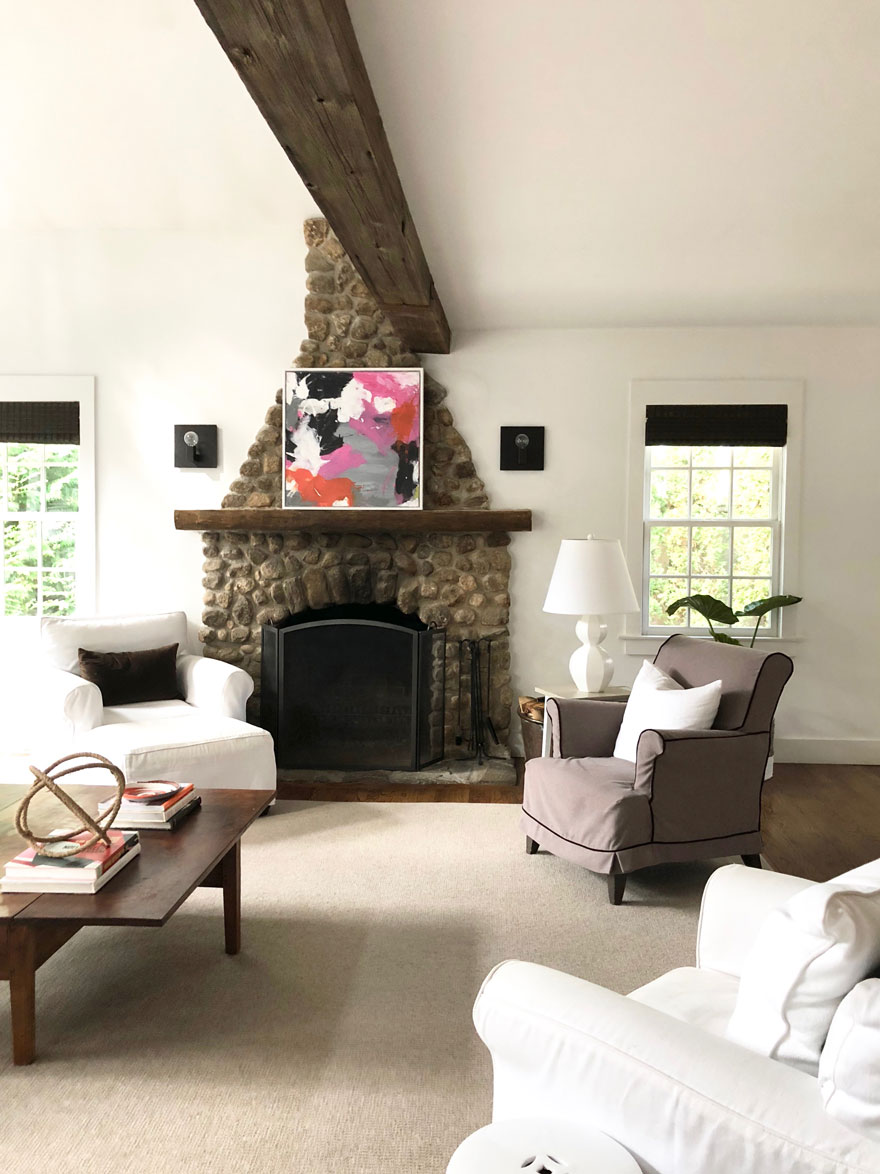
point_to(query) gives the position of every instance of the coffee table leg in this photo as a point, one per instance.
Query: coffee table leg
(230, 872)
(22, 993)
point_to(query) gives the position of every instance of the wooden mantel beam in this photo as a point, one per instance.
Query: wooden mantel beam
(301, 64)
(354, 521)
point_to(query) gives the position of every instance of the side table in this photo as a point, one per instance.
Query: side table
(570, 693)
(541, 1146)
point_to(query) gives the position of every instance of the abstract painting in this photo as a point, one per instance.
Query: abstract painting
(352, 438)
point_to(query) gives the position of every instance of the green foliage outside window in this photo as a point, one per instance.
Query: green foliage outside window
(712, 526)
(39, 497)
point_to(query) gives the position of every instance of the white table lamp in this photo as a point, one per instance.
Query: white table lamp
(591, 580)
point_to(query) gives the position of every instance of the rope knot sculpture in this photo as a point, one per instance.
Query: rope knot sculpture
(60, 846)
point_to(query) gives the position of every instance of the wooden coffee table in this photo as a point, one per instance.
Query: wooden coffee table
(204, 850)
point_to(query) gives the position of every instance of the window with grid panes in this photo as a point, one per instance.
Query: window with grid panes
(39, 507)
(712, 527)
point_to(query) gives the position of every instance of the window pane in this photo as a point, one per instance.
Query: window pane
(747, 591)
(59, 593)
(711, 494)
(664, 455)
(62, 487)
(24, 478)
(669, 495)
(751, 494)
(20, 597)
(662, 592)
(710, 550)
(59, 544)
(752, 550)
(19, 546)
(716, 454)
(669, 550)
(753, 456)
(718, 588)
(61, 454)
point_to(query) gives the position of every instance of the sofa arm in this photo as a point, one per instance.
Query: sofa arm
(583, 728)
(70, 707)
(681, 1100)
(702, 784)
(736, 900)
(214, 685)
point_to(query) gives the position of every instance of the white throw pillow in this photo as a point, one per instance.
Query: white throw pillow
(61, 638)
(808, 954)
(849, 1067)
(657, 702)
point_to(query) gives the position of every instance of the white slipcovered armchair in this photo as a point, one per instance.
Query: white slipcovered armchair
(659, 1070)
(202, 739)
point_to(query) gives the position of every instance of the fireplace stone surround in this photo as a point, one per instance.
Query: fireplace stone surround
(457, 581)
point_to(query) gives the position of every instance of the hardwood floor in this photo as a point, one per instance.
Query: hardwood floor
(369, 790)
(817, 820)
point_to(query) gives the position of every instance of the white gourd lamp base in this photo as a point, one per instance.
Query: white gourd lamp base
(590, 665)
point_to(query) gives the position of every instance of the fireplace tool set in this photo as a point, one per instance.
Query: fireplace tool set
(471, 657)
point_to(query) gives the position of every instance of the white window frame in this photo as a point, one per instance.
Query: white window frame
(79, 389)
(637, 637)
(773, 522)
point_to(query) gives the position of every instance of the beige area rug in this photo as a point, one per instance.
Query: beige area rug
(340, 1040)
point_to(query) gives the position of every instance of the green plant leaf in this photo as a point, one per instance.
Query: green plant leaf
(760, 607)
(707, 606)
(723, 638)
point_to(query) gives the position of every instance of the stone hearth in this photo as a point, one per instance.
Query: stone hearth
(457, 581)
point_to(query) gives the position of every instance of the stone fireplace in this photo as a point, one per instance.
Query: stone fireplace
(458, 581)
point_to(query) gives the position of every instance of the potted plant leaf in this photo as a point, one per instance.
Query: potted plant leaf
(712, 609)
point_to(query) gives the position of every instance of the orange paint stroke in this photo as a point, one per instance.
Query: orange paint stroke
(403, 420)
(317, 490)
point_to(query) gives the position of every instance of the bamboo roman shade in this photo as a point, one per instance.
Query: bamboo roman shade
(754, 425)
(39, 422)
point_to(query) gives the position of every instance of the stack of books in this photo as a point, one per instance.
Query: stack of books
(86, 872)
(157, 804)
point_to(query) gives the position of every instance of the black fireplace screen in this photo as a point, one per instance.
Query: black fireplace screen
(354, 687)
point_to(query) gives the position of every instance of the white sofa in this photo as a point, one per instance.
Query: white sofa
(655, 1070)
(202, 739)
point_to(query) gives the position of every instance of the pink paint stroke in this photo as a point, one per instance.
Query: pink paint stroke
(340, 461)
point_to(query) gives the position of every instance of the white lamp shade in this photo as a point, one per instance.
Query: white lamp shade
(590, 579)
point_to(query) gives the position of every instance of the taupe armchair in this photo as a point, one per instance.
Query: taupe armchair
(691, 794)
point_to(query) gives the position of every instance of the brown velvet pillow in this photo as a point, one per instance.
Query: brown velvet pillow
(126, 677)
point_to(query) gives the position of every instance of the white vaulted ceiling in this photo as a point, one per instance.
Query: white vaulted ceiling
(606, 162)
(126, 115)
(568, 163)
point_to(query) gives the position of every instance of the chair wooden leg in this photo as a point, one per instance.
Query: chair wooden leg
(531, 846)
(751, 859)
(616, 885)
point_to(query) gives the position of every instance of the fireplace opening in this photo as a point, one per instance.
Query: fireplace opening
(354, 687)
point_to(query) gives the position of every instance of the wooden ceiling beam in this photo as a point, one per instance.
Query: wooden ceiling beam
(301, 64)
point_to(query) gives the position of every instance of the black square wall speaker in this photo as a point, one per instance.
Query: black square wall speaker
(522, 447)
(195, 446)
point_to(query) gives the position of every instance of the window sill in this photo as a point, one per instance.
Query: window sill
(639, 645)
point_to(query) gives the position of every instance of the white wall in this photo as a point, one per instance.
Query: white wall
(576, 383)
(151, 236)
(196, 328)
(150, 231)
(179, 328)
